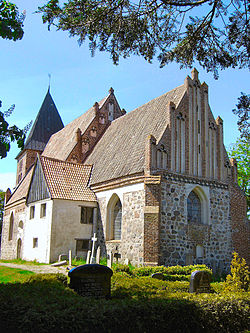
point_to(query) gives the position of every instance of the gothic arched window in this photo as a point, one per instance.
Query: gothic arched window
(114, 218)
(11, 227)
(194, 208)
(117, 220)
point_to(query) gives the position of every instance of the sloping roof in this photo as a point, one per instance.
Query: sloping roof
(21, 190)
(48, 122)
(121, 150)
(67, 180)
(62, 143)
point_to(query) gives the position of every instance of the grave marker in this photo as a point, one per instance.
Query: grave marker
(110, 259)
(92, 258)
(98, 255)
(200, 282)
(91, 280)
(88, 257)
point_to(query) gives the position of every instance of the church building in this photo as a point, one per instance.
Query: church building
(155, 185)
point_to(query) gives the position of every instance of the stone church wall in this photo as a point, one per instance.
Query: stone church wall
(9, 247)
(131, 244)
(179, 240)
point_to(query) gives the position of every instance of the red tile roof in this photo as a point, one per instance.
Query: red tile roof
(63, 142)
(67, 180)
(21, 190)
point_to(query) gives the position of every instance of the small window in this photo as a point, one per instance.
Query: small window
(86, 215)
(43, 210)
(35, 242)
(199, 126)
(82, 244)
(20, 225)
(32, 212)
(11, 226)
(199, 252)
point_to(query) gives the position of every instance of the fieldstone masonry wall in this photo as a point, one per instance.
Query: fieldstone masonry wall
(131, 244)
(9, 247)
(178, 239)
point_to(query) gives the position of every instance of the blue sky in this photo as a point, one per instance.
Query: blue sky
(79, 80)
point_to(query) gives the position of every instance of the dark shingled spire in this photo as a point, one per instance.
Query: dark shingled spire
(48, 122)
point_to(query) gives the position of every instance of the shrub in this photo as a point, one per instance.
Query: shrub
(122, 268)
(239, 279)
(171, 273)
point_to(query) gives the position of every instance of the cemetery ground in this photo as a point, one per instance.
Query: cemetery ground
(44, 303)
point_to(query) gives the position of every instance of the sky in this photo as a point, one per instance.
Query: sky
(79, 80)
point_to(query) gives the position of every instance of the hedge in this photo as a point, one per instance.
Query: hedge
(46, 304)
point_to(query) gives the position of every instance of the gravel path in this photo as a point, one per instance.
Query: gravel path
(38, 268)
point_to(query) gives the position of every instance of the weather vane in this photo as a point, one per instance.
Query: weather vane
(49, 75)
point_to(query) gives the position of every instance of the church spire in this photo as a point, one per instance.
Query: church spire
(47, 122)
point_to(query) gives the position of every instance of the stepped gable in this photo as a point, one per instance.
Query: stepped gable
(121, 150)
(63, 142)
(67, 180)
(48, 122)
(21, 191)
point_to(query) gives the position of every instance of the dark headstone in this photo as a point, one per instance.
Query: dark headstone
(91, 280)
(200, 282)
(158, 276)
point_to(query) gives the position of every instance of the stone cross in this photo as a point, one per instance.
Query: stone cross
(110, 259)
(88, 257)
(92, 258)
(98, 254)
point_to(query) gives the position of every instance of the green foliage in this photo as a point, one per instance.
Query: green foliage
(216, 38)
(239, 279)
(241, 152)
(22, 262)
(12, 275)
(11, 23)
(10, 133)
(171, 273)
(243, 112)
(79, 262)
(46, 303)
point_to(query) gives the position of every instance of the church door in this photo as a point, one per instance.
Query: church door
(19, 247)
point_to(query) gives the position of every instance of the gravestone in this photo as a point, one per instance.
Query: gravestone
(88, 257)
(98, 255)
(200, 282)
(70, 258)
(91, 280)
(158, 276)
(110, 259)
(117, 256)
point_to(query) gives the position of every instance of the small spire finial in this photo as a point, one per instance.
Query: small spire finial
(111, 91)
(49, 75)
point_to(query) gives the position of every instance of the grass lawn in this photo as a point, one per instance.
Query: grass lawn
(22, 262)
(13, 275)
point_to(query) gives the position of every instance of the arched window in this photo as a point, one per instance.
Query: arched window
(20, 225)
(194, 208)
(114, 218)
(11, 227)
(198, 208)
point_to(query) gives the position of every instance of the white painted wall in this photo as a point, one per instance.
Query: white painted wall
(37, 228)
(66, 227)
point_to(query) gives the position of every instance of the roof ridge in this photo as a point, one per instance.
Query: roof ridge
(145, 104)
(68, 162)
